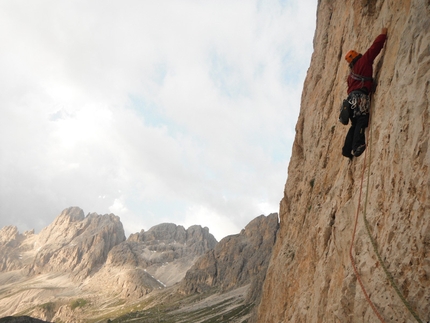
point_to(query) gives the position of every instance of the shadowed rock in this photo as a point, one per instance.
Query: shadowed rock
(20, 319)
(237, 260)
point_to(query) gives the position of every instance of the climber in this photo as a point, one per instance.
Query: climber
(360, 86)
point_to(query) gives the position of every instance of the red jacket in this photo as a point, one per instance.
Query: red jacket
(364, 65)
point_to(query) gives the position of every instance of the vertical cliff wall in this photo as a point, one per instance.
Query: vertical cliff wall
(310, 277)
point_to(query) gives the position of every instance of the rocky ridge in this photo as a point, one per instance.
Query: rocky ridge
(224, 284)
(82, 268)
(10, 255)
(154, 259)
(237, 260)
(80, 257)
(76, 244)
(310, 276)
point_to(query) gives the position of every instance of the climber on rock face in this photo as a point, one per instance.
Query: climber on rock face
(360, 86)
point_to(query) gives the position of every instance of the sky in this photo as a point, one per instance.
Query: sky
(155, 111)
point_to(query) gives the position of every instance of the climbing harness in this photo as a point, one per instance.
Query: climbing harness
(360, 103)
(356, 104)
(373, 242)
(361, 78)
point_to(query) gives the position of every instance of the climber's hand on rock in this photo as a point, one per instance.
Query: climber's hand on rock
(384, 31)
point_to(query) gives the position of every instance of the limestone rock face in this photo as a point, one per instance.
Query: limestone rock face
(9, 240)
(237, 260)
(171, 237)
(86, 260)
(64, 228)
(9, 235)
(13, 248)
(158, 257)
(310, 276)
(77, 244)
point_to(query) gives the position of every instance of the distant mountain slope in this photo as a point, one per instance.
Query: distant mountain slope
(79, 260)
(224, 285)
(237, 260)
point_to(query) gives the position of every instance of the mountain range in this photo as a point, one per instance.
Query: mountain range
(82, 268)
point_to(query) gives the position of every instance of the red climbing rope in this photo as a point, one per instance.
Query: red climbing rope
(353, 238)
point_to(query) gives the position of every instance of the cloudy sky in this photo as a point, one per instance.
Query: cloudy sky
(156, 111)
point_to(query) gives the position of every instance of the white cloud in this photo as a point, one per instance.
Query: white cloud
(171, 111)
(220, 225)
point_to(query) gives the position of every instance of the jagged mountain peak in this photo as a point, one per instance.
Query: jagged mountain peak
(236, 260)
(78, 254)
(163, 231)
(8, 234)
(77, 244)
(256, 226)
(65, 226)
(172, 232)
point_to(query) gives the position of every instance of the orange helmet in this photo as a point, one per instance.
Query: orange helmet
(351, 55)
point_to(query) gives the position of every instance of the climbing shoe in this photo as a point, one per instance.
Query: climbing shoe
(359, 150)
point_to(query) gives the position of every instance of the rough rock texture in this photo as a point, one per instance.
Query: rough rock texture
(169, 241)
(310, 277)
(10, 241)
(157, 258)
(77, 244)
(39, 270)
(86, 260)
(237, 260)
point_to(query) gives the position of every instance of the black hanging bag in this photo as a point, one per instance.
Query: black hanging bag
(345, 112)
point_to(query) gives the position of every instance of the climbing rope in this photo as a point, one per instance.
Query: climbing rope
(375, 310)
(374, 245)
(373, 241)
